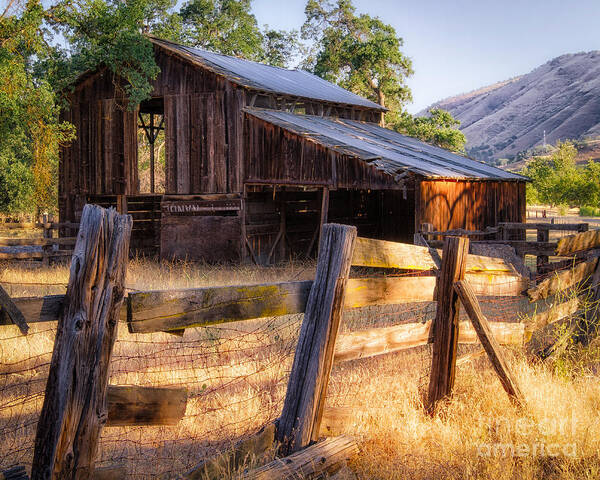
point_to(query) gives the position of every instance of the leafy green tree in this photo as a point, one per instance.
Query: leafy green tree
(358, 52)
(557, 180)
(440, 128)
(30, 131)
(110, 33)
(223, 26)
(279, 47)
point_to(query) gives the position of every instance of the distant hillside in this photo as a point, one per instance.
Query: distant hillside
(561, 97)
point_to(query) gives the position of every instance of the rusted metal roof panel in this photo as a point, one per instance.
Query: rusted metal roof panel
(266, 78)
(385, 149)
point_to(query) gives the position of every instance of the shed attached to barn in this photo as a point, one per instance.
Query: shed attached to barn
(253, 159)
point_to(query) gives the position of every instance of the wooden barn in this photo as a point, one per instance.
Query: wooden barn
(257, 158)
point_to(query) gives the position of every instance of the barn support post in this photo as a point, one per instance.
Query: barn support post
(445, 326)
(307, 386)
(152, 138)
(322, 219)
(543, 235)
(75, 409)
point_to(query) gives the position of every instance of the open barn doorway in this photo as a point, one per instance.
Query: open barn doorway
(151, 146)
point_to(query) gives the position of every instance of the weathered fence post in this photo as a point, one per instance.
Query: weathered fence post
(307, 387)
(74, 407)
(543, 235)
(445, 326)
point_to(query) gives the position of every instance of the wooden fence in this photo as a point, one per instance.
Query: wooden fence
(46, 248)
(95, 300)
(515, 236)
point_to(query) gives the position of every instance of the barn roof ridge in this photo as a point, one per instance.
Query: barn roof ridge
(268, 78)
(385, 149)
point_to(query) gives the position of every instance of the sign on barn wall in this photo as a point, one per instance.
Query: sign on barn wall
(199, 207)
(201, 229)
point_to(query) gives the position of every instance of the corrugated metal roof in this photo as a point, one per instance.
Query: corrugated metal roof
(258, 76)
(385, 149)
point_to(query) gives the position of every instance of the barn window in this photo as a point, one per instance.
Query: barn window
(151, 146)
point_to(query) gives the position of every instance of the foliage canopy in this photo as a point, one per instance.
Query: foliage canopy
(557, 180)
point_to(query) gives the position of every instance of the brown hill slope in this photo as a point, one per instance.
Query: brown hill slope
(561, 97)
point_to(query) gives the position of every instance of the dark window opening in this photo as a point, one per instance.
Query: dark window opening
(151, 146)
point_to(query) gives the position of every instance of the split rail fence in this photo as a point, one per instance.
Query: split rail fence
(78, 401)
(45, 249)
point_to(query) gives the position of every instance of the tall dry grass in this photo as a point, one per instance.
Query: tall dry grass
(477, 434)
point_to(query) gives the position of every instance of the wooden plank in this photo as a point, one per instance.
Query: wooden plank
(578, 242)
(380, 253)
(159, 310)
(307, 386)
(543, 235)
(16, 242)
(164, 310)
(12, 311)
(133, 405)
(544, 226)
(21, 256)
(521, 247)
(74, 406)
(563, 280)
(588, 325)
(228, 462)
(553, 314)
(446, 324)
(498, 285)
(362, 292)
(384, 340)
(489, 343)
(323, 458)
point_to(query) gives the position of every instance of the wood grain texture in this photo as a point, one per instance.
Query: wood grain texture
(489, 343)
(553, 314)
(322, 458)
(383, 340)
(578, 242)
(445, 329)
(74, 408)
(164, 310)
(133, 405)
(307, 386)
(42, 309)
(563, 280)
(247, 450)
(384, 254)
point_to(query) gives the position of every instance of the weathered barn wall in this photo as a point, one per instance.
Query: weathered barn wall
(201, 227)
(277, 156)
(472, 205)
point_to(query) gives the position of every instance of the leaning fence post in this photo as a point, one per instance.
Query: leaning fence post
(307, 387)
(445, 326)
(74, 407)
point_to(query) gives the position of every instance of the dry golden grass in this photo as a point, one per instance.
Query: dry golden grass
(236, 377)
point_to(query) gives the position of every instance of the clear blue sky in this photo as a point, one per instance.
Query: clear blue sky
(460, 45)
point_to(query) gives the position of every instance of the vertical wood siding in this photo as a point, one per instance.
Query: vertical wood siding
(275, 155)
(472, 205)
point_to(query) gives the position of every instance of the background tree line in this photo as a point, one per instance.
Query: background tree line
(557, 180)
(44, 49)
